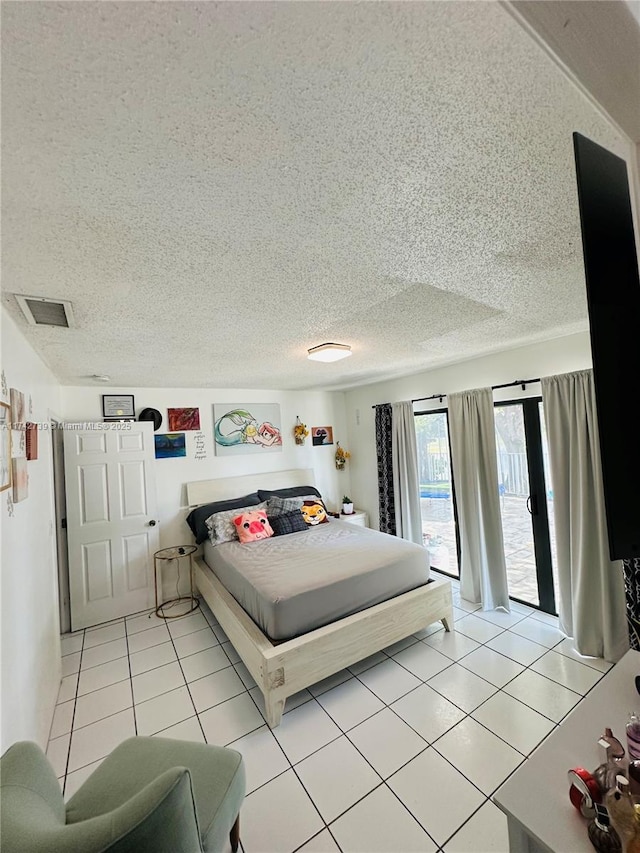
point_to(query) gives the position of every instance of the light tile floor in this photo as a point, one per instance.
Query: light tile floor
(401, 752)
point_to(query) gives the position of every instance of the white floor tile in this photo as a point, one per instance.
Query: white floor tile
(318, 775)
(422, 660)
(70, 643)
(151, 658)
(186, 730)
(478, 754)
(380, 824)
(462, 604)
(103, 675)
(187, 625)
(486, 831)
(156, 681)
(429, 713)
(539, 632)
(567, 648)
(428, 631)
(478, 629)
(96, 636)
(62, 719)
(387, 742)
(389, 681)
(230, 652)
(104, 653)
(517, 648)
(102, 703)
(543, 695)
(195, 642)
(70, 664)
(216, 688)
(393, 649)
(146, 639)
(57, 752)
(501, 618)
(323, 842)
(220, 634)
(548, 618)
(97, 740)
(292, 701)
(492, 666)
(143, 622)
(166, 710)
(330, 682)
(245, 676)
(462, 687)
(304, 730)
(367, 663)
(453, 644)
(441, 807)
(458, 613)
(517, 607)
(576, 676)
(263, 758)
(68, 687)
(350, 703)
(231, 720)
(207, 612)
(518, 725)
(204, 663)
(78, 777)
(265, 829)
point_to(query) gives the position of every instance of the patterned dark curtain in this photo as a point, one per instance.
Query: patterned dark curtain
(632, 589)
(385, 469)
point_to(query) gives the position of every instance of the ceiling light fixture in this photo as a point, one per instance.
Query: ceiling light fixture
(329, 352)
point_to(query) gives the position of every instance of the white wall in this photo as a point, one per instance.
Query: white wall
(560, 355)
(31, 667)
(315, 408)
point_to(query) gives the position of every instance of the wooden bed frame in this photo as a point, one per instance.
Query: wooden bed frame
(282, 669)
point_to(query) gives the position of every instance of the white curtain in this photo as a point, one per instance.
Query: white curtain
(406, 489)
(483, 573)
(592, 601)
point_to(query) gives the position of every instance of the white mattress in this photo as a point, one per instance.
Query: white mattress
(291, 584)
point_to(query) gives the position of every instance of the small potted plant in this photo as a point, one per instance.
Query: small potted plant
(347, 505)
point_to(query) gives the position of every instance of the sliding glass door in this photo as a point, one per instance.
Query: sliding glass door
(437, 499)
(526, 499)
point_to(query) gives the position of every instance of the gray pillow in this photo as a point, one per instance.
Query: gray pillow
(220, 524)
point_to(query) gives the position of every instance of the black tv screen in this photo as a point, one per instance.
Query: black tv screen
(613, 297)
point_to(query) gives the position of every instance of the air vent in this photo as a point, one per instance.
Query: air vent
(46, 312)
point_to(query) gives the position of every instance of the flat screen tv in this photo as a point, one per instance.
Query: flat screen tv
(613, 297)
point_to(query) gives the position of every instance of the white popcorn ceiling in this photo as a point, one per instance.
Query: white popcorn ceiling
(218, 187)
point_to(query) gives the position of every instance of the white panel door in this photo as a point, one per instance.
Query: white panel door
(112, 525)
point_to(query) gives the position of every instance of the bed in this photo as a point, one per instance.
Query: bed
(283, 653)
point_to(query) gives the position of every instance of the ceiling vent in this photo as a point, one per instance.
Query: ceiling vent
(46, 312)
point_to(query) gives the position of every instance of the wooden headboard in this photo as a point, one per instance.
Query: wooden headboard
(206, 491)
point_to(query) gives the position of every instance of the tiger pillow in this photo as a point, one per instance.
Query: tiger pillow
(314, 512)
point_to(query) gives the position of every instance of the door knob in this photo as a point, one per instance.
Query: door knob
(152, 523)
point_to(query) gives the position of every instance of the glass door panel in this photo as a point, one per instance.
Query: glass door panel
(513, 483)
(437, 501)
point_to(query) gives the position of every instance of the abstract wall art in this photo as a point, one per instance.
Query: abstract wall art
(183, 419)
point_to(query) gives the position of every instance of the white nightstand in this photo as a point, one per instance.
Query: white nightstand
(358, 517)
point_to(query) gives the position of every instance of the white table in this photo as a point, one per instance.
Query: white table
(535, 799)
(358, 517)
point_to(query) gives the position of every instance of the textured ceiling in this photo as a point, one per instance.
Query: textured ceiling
(217, 187)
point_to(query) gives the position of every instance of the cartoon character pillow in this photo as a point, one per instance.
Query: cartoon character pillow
(253, 525)
(314, 512)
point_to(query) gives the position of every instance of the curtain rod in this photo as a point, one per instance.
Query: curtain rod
(523, 382)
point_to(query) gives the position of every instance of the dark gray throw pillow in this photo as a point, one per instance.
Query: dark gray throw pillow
(292, 492)
(288, 522)
(197, 518)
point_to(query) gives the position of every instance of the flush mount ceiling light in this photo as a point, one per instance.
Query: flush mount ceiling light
(329, 352)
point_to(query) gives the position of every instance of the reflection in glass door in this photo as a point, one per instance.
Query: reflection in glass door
(524, 503)
(437, 498)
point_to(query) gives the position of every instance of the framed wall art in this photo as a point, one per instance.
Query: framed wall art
(321, 436)
(5, 446)
(117, 407)
(17, 409)
(183, 419)
(20, 479)
(32, 441)
(170, 445)
(246, 428)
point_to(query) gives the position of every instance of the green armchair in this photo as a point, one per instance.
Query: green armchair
(150, 795)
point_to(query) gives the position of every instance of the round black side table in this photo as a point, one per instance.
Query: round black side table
(174, 554)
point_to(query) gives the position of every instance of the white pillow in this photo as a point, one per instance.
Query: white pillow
(221, 527)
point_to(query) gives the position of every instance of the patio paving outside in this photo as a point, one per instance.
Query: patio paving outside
(439, 537)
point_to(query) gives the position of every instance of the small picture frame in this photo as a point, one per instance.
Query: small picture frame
(118, 407)
(5, 446)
